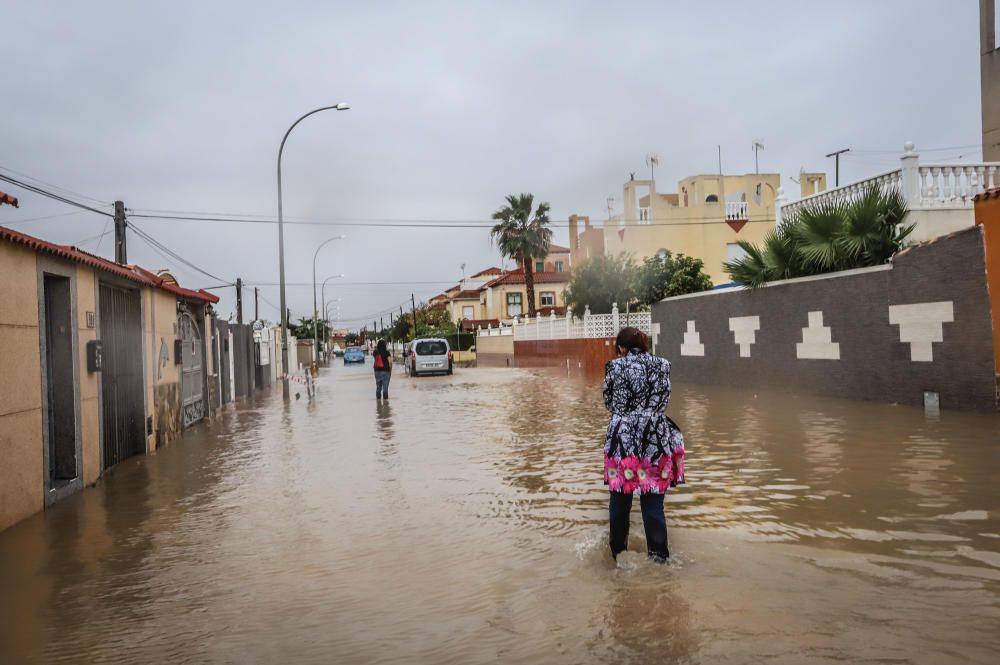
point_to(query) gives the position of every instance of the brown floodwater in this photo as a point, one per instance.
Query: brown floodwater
(464, 522)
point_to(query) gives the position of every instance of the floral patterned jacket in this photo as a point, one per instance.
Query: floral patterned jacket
(643, 449)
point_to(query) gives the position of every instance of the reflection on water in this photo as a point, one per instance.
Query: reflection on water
(464, 522)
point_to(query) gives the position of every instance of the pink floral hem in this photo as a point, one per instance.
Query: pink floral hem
(635, 475)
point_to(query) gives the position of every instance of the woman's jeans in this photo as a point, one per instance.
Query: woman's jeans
(382, 384)
(655, 523)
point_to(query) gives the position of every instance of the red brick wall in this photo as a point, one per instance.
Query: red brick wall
(586, 354)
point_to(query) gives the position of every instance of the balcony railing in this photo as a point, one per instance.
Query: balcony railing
(924, 186)
(737, 210)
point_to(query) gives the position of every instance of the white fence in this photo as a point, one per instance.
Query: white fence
(571, 327)
(924, 186)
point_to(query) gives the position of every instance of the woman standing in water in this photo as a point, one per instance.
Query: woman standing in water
(644, 449)
(382, 360)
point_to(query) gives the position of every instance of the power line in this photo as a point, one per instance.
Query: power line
(43, 217)
(56, 187)
(692, 220)
(156, 244)
(52, 195)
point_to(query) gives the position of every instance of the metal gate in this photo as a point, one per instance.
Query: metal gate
(121, 375)
(192, 387)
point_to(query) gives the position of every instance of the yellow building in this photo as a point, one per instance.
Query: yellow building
(705, 218)
(100, 361)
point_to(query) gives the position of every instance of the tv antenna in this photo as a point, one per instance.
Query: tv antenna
(757, 147)
(652, 161)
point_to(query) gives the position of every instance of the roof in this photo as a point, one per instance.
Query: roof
(8, 199)
(558, 249)
(130, 272)
(489, 271)
(991, 193)
(468, 294)
(517, 277)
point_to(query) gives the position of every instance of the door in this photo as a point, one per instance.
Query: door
(192, 367)
(59, 386)
(123, 412)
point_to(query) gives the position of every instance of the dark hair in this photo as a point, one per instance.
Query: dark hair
(380, 346)
(632, 339)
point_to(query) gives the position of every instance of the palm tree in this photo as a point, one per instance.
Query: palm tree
(829, 236)
(523, 236)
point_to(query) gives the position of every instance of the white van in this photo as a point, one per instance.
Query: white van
(430, 355)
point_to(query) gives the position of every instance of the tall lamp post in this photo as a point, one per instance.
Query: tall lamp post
(315, 306)
(281, 247)
(326, 316)
(323, 292)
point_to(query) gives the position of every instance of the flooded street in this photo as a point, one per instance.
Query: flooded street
(465, 522)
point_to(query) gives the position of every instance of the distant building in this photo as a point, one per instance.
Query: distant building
(704, 218)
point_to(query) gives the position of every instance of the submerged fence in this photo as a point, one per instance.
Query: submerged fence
(588, 326)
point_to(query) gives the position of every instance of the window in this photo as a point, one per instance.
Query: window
(431, 347)
(548, 298)
(711, 198)
(513, 304)
(734, 252)
(468, 312)
(539, 266)
(559, 266)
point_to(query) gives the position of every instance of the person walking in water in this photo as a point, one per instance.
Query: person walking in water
(643, 449)
(382, 360)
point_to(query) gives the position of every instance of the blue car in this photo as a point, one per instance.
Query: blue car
(354, 354)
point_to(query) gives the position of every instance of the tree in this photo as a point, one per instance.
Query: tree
(601, 281)
(523, 236)
(827, 237)
(304, 329)
(352, 338)
(663, 276)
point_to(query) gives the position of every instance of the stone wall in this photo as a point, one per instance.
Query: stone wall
(888, 333)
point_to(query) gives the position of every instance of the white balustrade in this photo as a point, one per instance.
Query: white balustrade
(571, 327)
(923, 185)
(737, 210)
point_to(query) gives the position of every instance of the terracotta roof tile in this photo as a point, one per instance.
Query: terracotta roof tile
(992, 193)
(489, 271)
(130, 272)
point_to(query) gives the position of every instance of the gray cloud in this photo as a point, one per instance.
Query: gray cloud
(180, 106)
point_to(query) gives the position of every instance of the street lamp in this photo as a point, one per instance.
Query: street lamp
(323, 289)
(326, 304)
(281, 247)
(315, 308)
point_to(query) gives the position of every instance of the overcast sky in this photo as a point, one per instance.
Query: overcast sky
(181, 106)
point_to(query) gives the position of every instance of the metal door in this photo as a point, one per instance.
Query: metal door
(123, 412)
(192, 386)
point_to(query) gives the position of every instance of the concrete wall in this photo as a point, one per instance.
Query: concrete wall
(90, 382)
(848, 334)
(936, 222)
(162, 375)
(21, 472)
(495, 351)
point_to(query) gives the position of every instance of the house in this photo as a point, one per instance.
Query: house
(101, 361)
(704, 218)
(505, 296)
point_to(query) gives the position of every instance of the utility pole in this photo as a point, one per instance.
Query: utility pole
(121, 255)
(413, 300)
(836, 157)
(256, 304)
(239, 300)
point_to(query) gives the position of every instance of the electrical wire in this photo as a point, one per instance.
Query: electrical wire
(56, 187)
(42, 218)
(436, 224)
(52, 195)
(156, 244)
